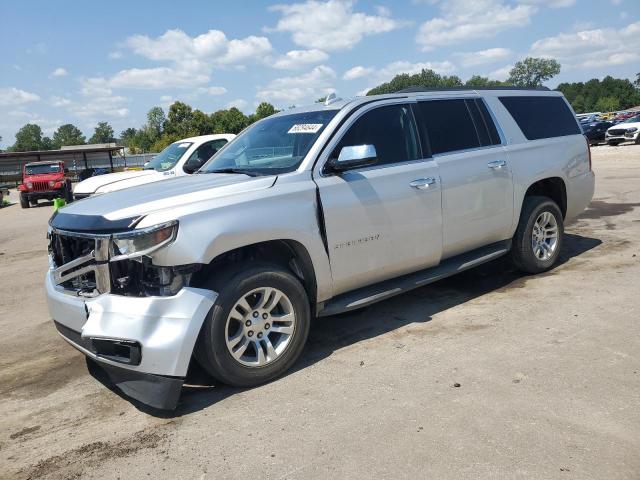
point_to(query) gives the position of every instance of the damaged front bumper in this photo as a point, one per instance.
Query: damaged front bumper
(144, 344)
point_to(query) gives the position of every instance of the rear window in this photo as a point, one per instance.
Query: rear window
(541, 117)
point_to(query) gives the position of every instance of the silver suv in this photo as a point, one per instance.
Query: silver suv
(311, 212)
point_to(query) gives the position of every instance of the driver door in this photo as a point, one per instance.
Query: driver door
(382, 220)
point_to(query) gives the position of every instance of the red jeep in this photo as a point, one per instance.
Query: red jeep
(43, 180)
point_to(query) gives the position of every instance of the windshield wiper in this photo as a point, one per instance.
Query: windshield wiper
(251, 173)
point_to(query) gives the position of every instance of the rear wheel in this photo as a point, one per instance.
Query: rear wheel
(24, 201)
(538, 239)
(257, 328)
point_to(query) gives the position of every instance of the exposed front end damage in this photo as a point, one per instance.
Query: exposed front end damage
(137, 321)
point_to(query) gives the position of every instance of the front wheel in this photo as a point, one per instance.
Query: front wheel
(24, 201)
(538, 239)
(257, 328)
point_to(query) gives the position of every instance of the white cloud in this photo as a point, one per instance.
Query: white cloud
(402, 66)
(357, 72)
(550, 3)
(294, 59)
(239, 103)
(213, 90)
(465, 20)
(331, 25)
(59, 72)
(59, 101)
(594, 48)
(483, 57)
(11, 96)
(210, 48)
(115, 55)
(307, 87)
(501, 73)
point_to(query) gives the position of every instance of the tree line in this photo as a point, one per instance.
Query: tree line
(159, 131)
(181, 120)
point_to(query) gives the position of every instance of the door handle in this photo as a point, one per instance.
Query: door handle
(496, 164)
(422, 183)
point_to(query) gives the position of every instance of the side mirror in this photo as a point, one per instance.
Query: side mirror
(192, 165)
(66, 171)
(353, 157)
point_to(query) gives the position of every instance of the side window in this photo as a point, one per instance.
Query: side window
(390, 129)
(484, 123)
(205, 151)
(488, 121)
(541, 117)
(449, 125)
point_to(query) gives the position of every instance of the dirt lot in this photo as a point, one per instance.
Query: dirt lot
(548, 369)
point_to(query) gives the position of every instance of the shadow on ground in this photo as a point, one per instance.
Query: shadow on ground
(332, 333)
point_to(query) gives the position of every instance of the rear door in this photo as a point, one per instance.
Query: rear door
(477, 186)
(382, 220)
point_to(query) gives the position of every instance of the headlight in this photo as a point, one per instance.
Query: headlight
(142, 242)
(51, 183)
(29, 185)
(631, 130)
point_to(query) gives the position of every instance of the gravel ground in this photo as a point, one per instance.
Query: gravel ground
(489, 374)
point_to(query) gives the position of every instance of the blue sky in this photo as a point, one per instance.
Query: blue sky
(84, 62)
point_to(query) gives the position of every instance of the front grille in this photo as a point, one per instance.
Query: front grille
(40, 186)
(616, 131)
(80, 262)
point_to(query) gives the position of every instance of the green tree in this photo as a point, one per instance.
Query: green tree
(201, 123)
(229, 121)
(103, 133)
(127, 136)
(47, 144)
(584, 97)
(179, 120)
(607, 104)
(265, 110)
(68, 134)
(479, 81)
(155, 121)
(28, 138)
(637, 82)
(426, 78)
(531, 72)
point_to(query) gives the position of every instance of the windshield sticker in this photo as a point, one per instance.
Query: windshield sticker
(305, 128)
(184, 145)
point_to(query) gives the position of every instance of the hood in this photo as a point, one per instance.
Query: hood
(624, 126)
(116, 181)
(118, 209)
(44, 177)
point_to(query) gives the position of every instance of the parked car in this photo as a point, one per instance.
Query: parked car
(311, 212)
(621, 117)
(43, 181)
(626, 131)
(595, 131)
(588, 117)
(180, 158)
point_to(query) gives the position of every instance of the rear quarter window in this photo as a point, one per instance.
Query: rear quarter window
(541, 117)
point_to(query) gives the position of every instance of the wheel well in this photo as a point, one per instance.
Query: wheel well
(554, 188)
(288, 254)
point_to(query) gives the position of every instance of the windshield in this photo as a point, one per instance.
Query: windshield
(271, 146)
(168, 157)
(632, 119)
(42, 169)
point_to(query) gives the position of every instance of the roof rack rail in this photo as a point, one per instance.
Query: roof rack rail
(443, 89)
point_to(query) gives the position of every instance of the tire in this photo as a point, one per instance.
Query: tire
(614, 144)
(24, 201)
(525, 251)
(211, 349)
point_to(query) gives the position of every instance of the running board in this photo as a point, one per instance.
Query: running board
(365, 296)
